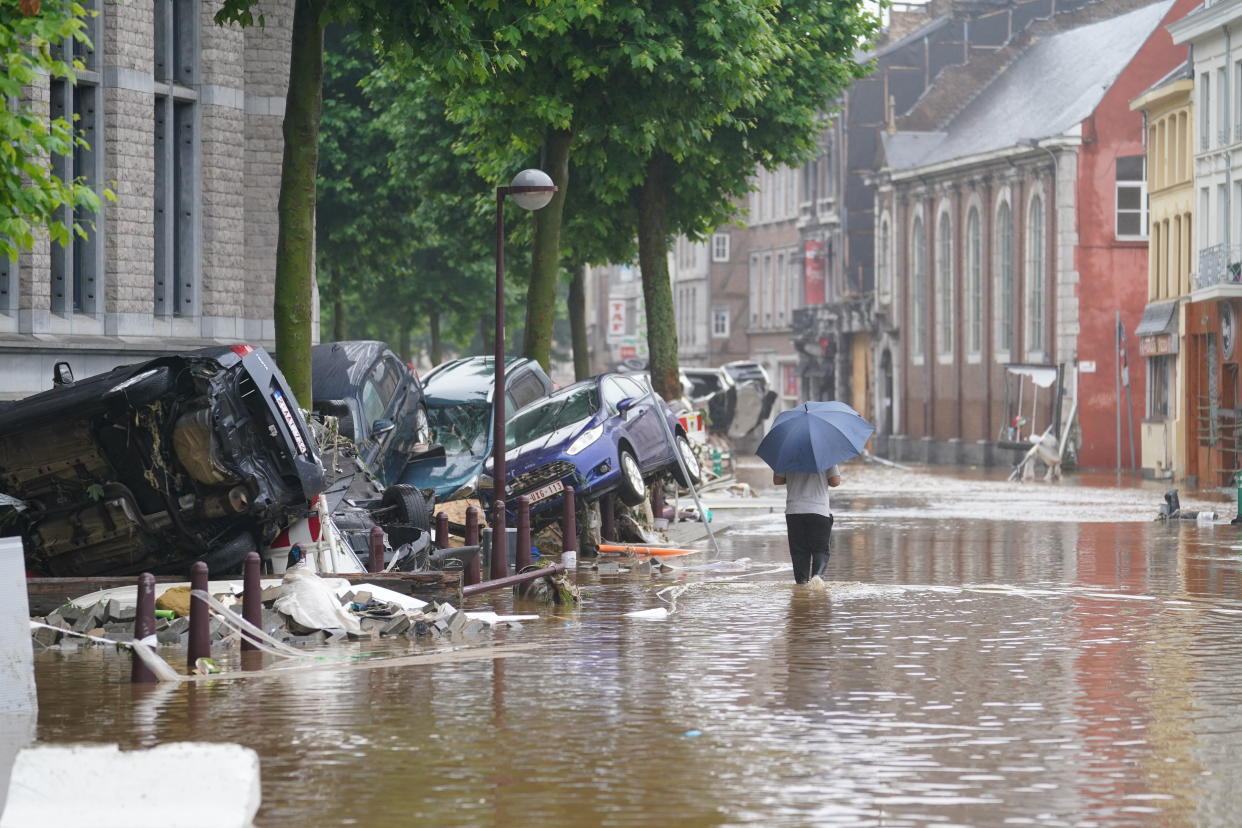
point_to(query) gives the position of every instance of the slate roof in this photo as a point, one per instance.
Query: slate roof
(1050, 88)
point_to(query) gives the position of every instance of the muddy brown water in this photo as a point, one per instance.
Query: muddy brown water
(965, 672)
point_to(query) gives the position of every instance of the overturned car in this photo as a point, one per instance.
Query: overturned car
(147, 468)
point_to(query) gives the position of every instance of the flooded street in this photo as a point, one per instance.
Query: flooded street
(988, 654)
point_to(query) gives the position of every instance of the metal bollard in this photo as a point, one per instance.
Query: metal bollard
(200, 618)
(657, 500)
(252, 597)
(608, 516)
(500, 542)
(144, 625)
(442, 531)
(521, 555)
(376, 562)
(473, 569)
(569, 526)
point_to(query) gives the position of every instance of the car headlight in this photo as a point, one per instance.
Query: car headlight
(585, 439)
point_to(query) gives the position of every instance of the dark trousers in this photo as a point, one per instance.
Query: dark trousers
(810, 542)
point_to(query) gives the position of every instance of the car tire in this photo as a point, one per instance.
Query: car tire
(633, 490)
(691, 461)
(410, 518)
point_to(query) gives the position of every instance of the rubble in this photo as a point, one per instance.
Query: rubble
(376, 612)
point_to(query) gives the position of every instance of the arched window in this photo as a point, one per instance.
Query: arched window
(1035, 274)
(884, 260)
(918, 287)
(974, 283)
(1003, 271)
(944, 284)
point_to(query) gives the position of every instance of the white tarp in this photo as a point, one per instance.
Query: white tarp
(1042, 375)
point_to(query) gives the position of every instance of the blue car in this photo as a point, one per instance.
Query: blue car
(599, 435)
(458, 395)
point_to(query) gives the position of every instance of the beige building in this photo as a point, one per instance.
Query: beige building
(1167, 108)
(183, 118)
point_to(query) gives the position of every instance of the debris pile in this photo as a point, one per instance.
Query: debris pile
(359, 612)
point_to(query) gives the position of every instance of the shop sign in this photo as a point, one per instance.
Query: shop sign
(616, 319)
(1158, 345)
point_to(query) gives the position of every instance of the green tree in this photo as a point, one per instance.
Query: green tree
(32, 197)
(396, 21)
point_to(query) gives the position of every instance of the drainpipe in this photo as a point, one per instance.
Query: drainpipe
(1225, 115)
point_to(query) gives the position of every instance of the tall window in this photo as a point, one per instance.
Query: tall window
(768, 279)
(1159, 386)
(1204, 104)
(944, 285)
(795, 286)
(781, 290)
(1003, 272)
(77, 267)
(1131, 198)
(720, 247)
(8, 287)
(918, 284)
(1035, 274)
(974, 283)
(754, 291)
(720, 322)
(176, 156)
(884, 260)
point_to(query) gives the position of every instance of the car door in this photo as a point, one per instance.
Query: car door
(642, 422)
(380, 402)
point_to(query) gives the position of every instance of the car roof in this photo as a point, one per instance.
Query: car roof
(338, 368)
(468, 379)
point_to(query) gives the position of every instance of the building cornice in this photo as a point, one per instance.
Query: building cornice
(1205, 21)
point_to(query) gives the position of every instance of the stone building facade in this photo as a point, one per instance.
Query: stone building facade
(183, 118)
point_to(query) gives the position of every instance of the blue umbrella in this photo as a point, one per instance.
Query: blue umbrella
(813, 437)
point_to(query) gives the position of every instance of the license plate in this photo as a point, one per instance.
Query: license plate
(544, 492)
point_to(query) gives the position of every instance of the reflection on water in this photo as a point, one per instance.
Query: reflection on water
(966, 672)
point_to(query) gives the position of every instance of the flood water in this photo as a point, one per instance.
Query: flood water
(1011, 669)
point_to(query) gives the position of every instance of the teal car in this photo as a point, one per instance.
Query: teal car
(458, 395)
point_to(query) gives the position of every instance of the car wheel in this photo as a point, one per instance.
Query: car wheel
(633, 490)
(408, 514)
(691, 462)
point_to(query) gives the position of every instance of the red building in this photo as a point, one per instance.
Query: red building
(1011, 216)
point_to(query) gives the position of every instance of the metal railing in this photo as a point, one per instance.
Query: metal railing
(1220, 264)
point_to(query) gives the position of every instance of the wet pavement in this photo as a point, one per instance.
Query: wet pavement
(988, 654)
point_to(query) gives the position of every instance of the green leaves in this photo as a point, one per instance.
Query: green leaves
(31, 195)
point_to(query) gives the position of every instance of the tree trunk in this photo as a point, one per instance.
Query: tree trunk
(437, 350)
(545, 260)
(657, 292)
(577, 323)
(295, 240)
(403, 343)
(487, 332)
(338, 319)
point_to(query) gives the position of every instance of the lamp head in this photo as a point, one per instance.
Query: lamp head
(536, 199)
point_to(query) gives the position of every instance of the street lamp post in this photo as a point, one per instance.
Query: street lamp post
(532, 190)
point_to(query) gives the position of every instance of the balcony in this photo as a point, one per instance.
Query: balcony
(1220, 272)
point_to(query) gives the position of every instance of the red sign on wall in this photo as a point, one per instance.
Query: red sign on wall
(814, 273)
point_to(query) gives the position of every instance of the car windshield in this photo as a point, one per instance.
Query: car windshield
(461, 427)
(542, 418)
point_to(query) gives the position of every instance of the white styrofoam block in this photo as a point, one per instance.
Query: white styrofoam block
(177, 785)
(17, 687)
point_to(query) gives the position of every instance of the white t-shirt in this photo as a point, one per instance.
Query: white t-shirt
(807, 494)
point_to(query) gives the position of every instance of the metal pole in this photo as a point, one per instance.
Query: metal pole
(144, 626)
(1117, 389)
(200, 617)
(473, 573)
(522, 553)
(252, 597)
(498, 387)
(510, 580)
(376, 562)
(685, 473)
(569, 522)
(442, 531)
(500, 549)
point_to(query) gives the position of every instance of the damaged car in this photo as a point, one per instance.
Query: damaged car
(201, 455)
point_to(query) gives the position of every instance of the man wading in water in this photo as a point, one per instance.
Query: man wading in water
(808, 521)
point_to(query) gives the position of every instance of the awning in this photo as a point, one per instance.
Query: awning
(1158, 318)
(1042, 375)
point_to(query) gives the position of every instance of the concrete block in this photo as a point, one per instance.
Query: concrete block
(396, 626)
(65, 784)
(17, 688)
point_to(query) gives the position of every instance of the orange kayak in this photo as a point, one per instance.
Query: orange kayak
(643, 551)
